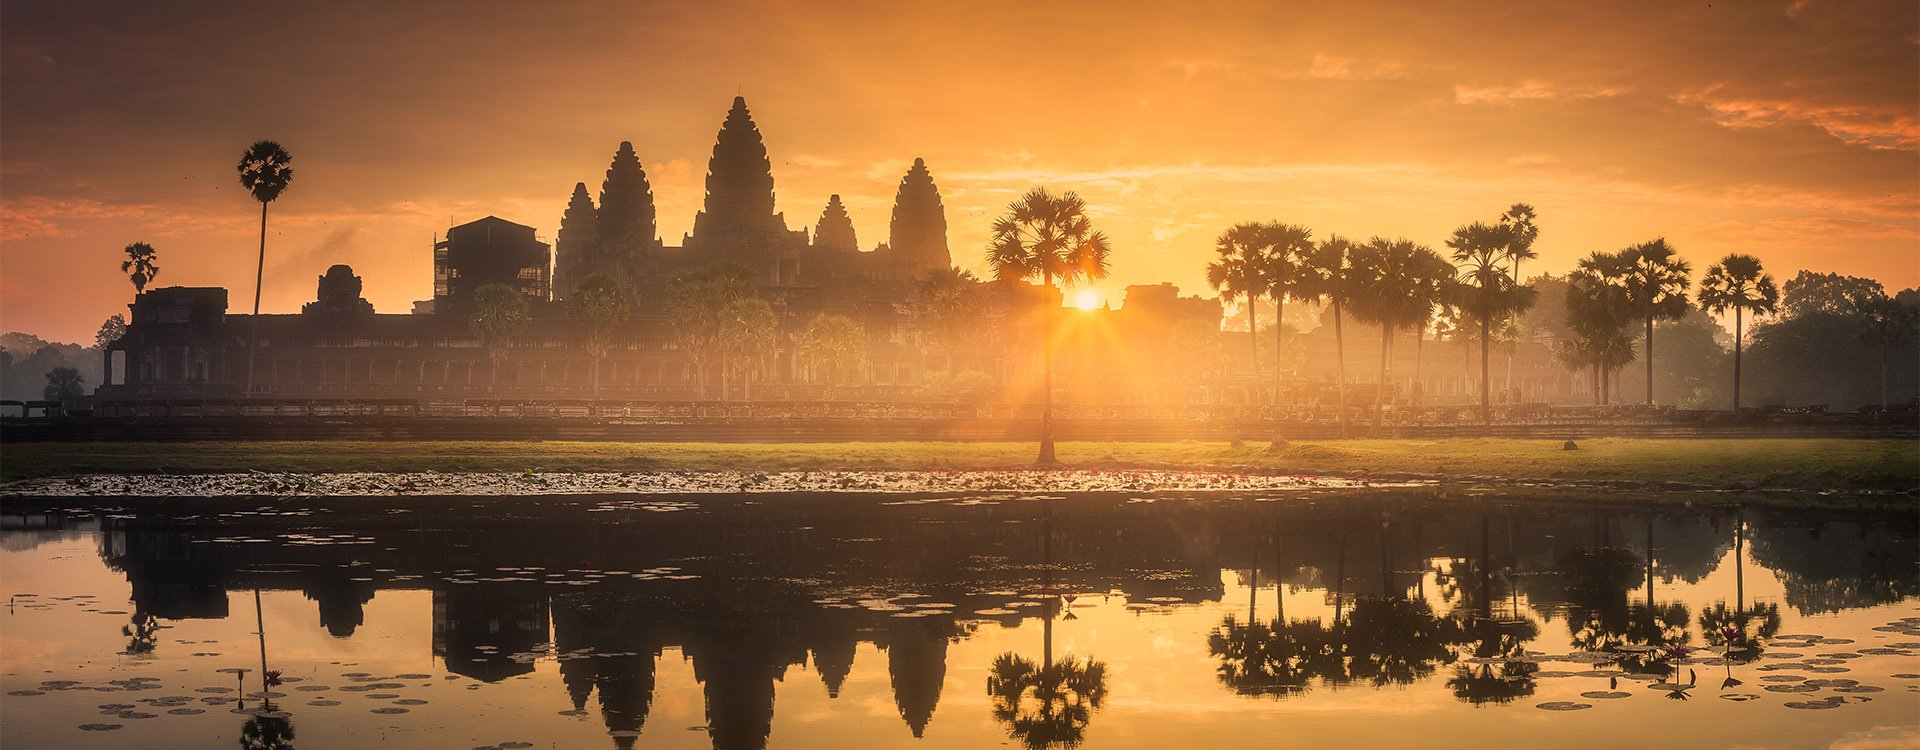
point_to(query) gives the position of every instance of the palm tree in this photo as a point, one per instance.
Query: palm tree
(265, 173)
(1519, 222)
(746, 339)
(1396, 285)
(499, 314)
(834, 344)
(1287, 247)
(1488, 292)
(1886, 320)
(1241, 273)
(1598, 317)
(64, 383)
(1048, 237)
(1655, 287)
(694, 301)
(140, 265)
(1738, 283)
(600, 307)
(1327, 275)
(949, 310)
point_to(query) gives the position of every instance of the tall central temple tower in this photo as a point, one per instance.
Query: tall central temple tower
(738, 224)
(918, 233)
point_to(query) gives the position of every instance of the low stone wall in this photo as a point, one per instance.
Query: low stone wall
(729, 429)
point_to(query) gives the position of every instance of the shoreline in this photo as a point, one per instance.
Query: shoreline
(1797, 465)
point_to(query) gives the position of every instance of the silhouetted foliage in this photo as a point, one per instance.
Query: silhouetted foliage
(1052, 239)
(63, 383)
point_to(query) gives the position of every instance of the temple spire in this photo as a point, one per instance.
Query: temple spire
(739, 182)
(576, 246)
(835, 228)
(918, 233)
(626, 222)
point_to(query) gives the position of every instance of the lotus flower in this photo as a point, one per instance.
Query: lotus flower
(273, 678)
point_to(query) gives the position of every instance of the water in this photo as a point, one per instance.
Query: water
(1403, 619)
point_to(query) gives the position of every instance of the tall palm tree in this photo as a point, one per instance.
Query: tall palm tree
(600, 307)
(949, 310)
(1655, 287)
(1240, 273)
(1738, 283)
(265, 172)
(1598, 316)
(694, 301)
(499, 315)
(834, 344)
(1885, 320)
(747, 332)
(1488, 293)
(1287, 247)
(1396, 284)
(1327, 274)
(140, 266)
(1519, 221)
(1049, 237)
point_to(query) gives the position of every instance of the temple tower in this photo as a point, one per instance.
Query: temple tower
(577, 245)
(626, 222)
(918, 233)
(738, 224)
(835, 228)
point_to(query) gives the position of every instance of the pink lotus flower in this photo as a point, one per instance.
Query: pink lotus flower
(273, 678)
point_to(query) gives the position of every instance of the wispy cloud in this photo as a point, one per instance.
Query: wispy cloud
(1348, 69)
(1874, 128)
(1529, 91)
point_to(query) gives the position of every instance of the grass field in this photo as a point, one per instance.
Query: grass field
(1815, 463)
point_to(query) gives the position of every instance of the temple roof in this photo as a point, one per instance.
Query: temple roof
(626, 202)
(834, 231)
(739, 178)
(918, 232)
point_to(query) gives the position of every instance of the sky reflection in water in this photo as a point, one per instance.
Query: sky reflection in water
(1403, 620)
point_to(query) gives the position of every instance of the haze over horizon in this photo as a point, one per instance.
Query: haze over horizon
(1790, 130)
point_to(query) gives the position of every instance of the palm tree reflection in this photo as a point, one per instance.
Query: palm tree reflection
(1048, 703)
(1498, 669)
(1269, 658)
(267, 729)
(142, 632)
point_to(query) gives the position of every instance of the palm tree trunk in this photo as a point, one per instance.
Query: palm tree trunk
(1386, 337)
(253, 324)
(1883, 373)
(1736, 359)
(1419, 354)
(1486, 406)
(1649, 360)
(1253, 344)
(260, 625)
(1279, 338)
(1340, 363)
(1046, 377)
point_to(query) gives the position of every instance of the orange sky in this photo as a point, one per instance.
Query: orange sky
(1787, 130)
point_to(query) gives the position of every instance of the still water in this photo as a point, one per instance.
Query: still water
(1377, 618)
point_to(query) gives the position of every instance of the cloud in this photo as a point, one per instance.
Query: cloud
(1876, 128)
(1347, 69)
(1528, 91)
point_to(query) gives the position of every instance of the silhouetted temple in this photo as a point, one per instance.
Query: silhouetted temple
(183, 343)
(1158, 347)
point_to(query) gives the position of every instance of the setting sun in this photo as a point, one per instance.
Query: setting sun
(1087, 299)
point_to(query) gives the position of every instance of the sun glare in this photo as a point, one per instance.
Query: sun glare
(1087, 299)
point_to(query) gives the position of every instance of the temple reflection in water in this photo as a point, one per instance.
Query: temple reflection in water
(1383, 590)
